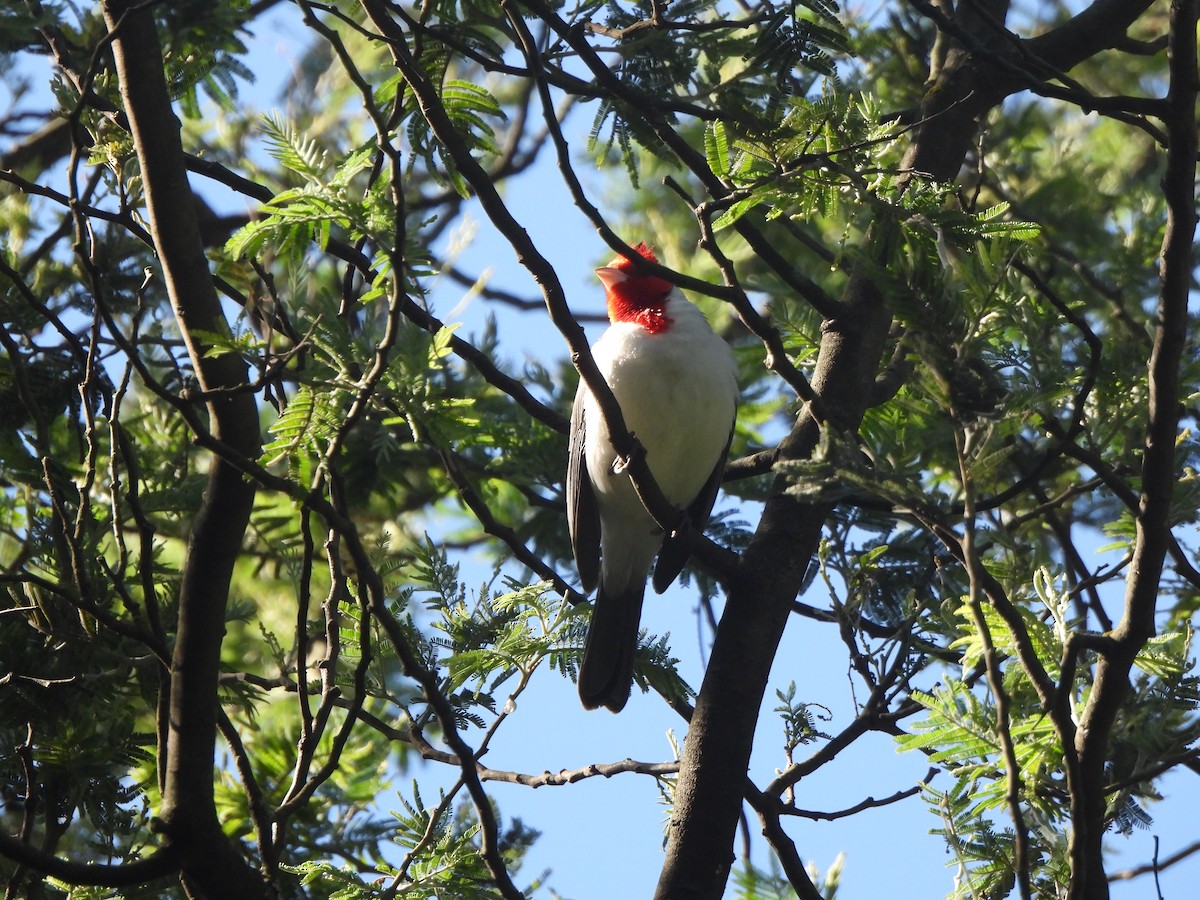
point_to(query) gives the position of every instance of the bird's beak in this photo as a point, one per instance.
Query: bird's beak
(610, 275)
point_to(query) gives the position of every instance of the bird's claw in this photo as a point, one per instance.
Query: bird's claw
(622, 463)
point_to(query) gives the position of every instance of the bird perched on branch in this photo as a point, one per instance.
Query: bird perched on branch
(675, 382)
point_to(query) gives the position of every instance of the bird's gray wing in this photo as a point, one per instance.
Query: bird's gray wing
(676, 548)
(583, 516)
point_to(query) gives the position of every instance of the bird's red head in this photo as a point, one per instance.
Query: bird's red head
(634, 297)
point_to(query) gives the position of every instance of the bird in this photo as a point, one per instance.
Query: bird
(676, 383)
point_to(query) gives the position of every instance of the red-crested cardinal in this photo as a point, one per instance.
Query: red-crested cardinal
(676, 384)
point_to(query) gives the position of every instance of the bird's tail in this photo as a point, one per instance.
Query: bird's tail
(606, 672)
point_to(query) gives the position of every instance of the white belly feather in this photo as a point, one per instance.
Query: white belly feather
(678, 394)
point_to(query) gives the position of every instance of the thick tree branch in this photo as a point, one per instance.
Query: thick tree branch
(160, 864)
(767, 580)
(210, 862)
(1017, 66)
(719, 739)
(1153, 537)
(1101, 26)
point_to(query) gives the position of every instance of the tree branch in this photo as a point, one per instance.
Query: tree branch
(1101, 26)
(1158, 865)
(208, 858)
(160, 864)
(769, 812)
(1153, 537)
(717, 748)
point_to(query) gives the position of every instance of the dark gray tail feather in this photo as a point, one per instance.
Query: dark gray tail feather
(673, 556)
(606, 672)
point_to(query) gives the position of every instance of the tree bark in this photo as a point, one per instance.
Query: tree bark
(982, 66)
(720, 737)
(716, 753)
(212, 865)
(1153, 527)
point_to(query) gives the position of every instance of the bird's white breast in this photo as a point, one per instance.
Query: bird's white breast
(678, 393)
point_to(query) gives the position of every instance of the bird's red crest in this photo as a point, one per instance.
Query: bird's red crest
(628, 265)
(638, 298)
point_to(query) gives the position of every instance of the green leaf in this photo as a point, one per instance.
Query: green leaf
(716, 149)
(298, 153)
(738, 209)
